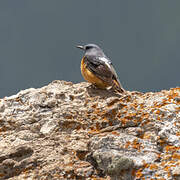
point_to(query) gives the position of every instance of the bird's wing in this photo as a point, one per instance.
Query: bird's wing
(102, 68)
(115, 80)
(115, 76)
(99, 68)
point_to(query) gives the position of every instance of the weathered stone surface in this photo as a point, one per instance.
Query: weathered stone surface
(73, 131)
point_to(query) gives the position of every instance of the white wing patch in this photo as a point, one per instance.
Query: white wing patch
(107, 61)
(109, 64)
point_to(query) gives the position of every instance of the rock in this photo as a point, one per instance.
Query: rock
(2, 107)
(74, 131)
(176, 172)
(114, 164)
(15, 161)
(48, 127)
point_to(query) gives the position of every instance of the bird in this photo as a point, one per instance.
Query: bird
(97, 68)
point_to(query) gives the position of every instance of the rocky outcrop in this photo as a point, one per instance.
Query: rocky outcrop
(74, 131)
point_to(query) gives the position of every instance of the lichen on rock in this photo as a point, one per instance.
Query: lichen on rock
(75, 131)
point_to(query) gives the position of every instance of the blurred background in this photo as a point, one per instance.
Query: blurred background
(38, 39)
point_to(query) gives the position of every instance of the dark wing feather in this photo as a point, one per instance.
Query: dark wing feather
(103, 69)
(99, 68)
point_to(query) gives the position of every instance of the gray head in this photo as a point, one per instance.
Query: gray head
(92, 50)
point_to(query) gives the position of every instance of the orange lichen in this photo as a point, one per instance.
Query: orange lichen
(135, 105)
(136, 144)
(146, 136)
(136, 121)
(158, 118)
(127, 144)
(162, 142)
(124, 121)
(178, 133)
(139, 173)
(145, 115)
(153, 166)
(169, 148)
(115, 133)
(173, 95)
(105, 119)
(93, 131)
(158, 111)
(176, 156)
(141, 106)
(169, 174)
(145, 165)
(172, 163)
(166, 168)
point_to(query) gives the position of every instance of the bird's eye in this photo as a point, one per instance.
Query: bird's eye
(88, 47)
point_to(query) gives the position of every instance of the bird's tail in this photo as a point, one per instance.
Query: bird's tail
(117, 86)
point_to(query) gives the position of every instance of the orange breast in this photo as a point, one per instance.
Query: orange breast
(90, 77)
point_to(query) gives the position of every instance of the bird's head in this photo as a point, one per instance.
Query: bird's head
(92, 49)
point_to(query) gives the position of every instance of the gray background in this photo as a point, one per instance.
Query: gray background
(38, 38)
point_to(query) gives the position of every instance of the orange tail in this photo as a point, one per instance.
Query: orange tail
(117, 86)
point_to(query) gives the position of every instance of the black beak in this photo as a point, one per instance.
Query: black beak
(81, 47)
